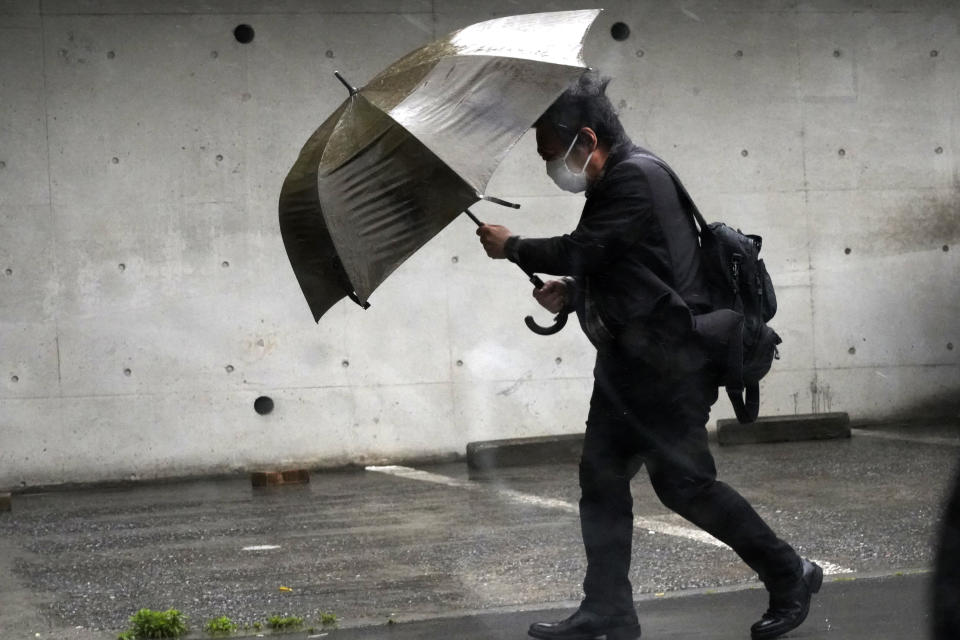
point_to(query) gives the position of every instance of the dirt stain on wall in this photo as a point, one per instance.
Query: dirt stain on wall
(821, 397)
(927, 223)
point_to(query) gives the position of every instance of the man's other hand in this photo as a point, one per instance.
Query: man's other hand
(493, 237)
(552, 296)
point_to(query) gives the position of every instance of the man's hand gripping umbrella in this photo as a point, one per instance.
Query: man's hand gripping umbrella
(551, 295)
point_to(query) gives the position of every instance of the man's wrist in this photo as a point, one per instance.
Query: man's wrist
(511, 248)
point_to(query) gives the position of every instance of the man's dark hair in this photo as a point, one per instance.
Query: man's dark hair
(585, 104)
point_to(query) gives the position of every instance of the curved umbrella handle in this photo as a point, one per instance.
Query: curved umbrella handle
(559, 323)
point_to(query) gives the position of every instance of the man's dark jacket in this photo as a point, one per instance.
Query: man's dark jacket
(633, 255)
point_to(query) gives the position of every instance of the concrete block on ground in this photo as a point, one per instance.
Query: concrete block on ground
(276, 478)
(812, 426)
(514, 452)
(5, 502)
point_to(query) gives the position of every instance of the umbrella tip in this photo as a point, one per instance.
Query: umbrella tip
(352, 89)
(502, 203)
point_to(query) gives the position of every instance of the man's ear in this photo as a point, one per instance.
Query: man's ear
(589, 136)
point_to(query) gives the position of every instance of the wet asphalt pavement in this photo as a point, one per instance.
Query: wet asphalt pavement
(445, 554)
(884, 608)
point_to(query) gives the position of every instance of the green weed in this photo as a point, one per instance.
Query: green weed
(327, 619)
(146, 623)
(223, 624)
(289, 622)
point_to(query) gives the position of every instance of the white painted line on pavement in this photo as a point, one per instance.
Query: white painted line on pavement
(416, 474)
(262, 547)
(830, 569)
(648, 524)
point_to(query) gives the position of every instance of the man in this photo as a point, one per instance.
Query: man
(946, 575)
(632, 274)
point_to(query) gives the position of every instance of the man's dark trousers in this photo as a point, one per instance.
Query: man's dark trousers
(656, 415)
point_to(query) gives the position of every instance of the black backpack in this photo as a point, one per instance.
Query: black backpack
(735, 334)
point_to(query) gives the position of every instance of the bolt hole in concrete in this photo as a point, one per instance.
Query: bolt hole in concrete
(225, 264)
(14, 378)
(9, 272)
(640, 53)
(454, 259)
(946, 248)
(852, 350)
(934, 53)
(949, 346)
(243, 33)
(938, 150)
(3, 165)
(219, 158)
(263, 405)
(744, 153)
(115, 160)
(122, 267)
(558, 360)
(127, 372)
(111, 55)
(620, 31)
(329, 53)
(847, 250)
(459, 363)
(837, 53)
(738, 54)
(842, 152)
(229, 368)
(345, 364)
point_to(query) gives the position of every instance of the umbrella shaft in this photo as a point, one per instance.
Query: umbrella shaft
(535, 279)
(473, 217)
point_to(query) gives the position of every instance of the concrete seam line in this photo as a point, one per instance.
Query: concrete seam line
(895, 436)
(650, 525)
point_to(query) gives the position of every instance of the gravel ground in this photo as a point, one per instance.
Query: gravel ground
(370, 546)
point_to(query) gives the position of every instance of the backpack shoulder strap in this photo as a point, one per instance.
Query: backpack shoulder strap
(701, 222)
(747, 409)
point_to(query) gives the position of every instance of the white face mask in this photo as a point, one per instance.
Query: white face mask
(560, 173)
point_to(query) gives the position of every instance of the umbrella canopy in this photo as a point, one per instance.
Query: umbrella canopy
(416, 146)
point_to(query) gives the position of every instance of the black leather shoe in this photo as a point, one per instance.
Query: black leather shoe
(788, 609)
(584, 625)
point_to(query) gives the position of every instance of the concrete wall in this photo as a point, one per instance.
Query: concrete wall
(146, 300)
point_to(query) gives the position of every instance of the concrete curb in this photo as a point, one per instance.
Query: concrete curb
(515, 452)
(813, 426)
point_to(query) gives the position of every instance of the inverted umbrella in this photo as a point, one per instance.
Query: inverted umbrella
(407, 153)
